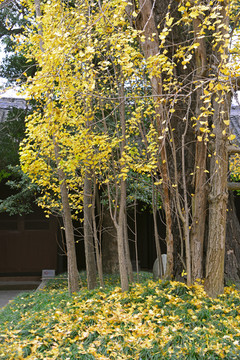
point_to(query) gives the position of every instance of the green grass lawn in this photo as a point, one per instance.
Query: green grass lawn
(154, 320)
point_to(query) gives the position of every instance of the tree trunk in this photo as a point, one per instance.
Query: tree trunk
(97, 242)
(214, 283)
(73, 275)
(120, 239)
(127, 250)
(123, 187)
(199, 201)
(186, 214)
(88, 233)
(199, 211)
(123, 247)
(109, 244)
(136, 236)
(156, 236)
(232, 254)
(150, 48)
(218, 196)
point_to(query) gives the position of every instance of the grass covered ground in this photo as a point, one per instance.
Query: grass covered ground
(154, 320)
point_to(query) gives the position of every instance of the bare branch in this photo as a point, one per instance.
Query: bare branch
(233, 150)
(5, 3)
(232, 186)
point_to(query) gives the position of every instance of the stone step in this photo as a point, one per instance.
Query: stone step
(19, 285)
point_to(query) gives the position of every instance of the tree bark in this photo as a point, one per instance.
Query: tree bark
(97, 242)
(232, 253)
(125, 266)
(218, 196)
(199, 210)
(150, 46)
(73, 275)
(156, 235)
(232, 186)
(199, 202)
(136, 237)
(127, 250)
(88, 233)
(120, 240)
(109, 244)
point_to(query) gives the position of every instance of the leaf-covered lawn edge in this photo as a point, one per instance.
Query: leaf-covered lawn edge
(154, 320)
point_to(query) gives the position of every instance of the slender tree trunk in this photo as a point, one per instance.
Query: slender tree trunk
(119, 226)
(186, 214)
(120, 239)
(124, 188)
(150, 47)
(156, 236)
(123, 247)
(37, 4)
(199, 202)
(136, 236)
(127, 250)
(199, 211)
(88, 233)
(232, 254)
(73, 275)
(97, 241)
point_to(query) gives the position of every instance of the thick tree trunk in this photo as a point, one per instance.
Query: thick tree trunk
(218, 196)
(214, 282)
(88, 233)
(199, 202)
(73, 275)
(109, 245)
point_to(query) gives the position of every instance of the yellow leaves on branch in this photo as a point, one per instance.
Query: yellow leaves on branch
(70, 87)
(234, 167)
(87, 53)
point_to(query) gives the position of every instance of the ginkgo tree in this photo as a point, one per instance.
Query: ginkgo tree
(67, 116)
(191, 82)
(142, 86)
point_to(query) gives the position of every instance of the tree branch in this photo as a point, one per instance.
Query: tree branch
(232, 186)
(233, 150)
(5, 3)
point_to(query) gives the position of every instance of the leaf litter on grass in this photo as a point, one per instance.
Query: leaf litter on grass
(154, 320)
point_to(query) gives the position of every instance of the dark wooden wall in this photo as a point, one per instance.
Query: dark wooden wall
(27, 244)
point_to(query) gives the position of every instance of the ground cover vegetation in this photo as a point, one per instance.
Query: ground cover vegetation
(127, 90)
(153, 320)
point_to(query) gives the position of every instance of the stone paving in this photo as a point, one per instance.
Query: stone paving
(10, 289)
(7, 295)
